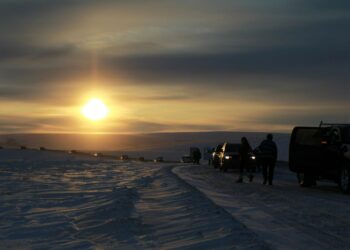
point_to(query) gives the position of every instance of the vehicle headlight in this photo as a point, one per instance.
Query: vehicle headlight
(227, 157)
(253, 157)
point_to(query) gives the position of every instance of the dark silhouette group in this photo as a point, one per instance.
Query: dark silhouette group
(266, 155)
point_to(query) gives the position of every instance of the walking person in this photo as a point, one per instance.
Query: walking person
(197, 156)
(244, 152)
(268, 151)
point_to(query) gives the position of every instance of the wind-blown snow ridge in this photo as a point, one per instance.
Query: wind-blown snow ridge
(65, 202)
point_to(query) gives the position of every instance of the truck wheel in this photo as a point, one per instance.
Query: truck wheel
(344, 180)
(306, 179)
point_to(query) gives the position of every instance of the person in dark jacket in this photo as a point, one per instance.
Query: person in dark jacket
(197, 156)
(244, 152)
(268, 151)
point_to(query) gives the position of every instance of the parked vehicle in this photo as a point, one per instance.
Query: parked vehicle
(159, 159)
(72, 152)
(141, 158)
(124, 157)
(186, 159)
(215, 156)
(321, 153)
(97, 154)
(194, 156)
(42, 148)
(230, 157)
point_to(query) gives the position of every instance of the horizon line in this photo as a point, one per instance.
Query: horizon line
(140, 133)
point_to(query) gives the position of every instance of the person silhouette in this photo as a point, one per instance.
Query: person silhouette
(269, 152)
(244, 152)
(197, 156)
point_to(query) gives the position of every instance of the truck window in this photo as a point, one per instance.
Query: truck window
(308, 137)
(346, 135)
(232, 147)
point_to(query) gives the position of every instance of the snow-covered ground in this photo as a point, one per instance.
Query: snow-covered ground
(51, 200)
(284, 215)
(72, 203)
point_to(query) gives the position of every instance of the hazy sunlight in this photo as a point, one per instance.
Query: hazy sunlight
(95, 110)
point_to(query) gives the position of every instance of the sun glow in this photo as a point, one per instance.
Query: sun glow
(95, 110)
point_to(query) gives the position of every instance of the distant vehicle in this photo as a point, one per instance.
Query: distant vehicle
(1, 147)
(193, 157)
(186, 159)
(23, 147)
(97, 154)
(215, 156)
(72, 152)
(141, 158)
(42, 148)
(230, 157)
(124, 157)
(159, 159)
(321, 153)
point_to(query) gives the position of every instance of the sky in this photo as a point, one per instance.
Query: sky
(168, 66)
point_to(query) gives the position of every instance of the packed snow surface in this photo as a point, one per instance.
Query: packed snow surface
(51, 200)
(83, 203)
(284, 215)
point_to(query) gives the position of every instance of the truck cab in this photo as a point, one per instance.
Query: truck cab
(321, 152)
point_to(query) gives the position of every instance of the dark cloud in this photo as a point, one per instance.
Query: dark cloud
(309, 117)
(18, 124)
(322, 5)
(11, 51)
(307, 62)
(154, 98)
(317, 49)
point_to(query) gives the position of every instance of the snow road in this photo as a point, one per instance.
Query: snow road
(285, 216)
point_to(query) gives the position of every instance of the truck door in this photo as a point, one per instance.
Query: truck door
(331, 153)
(305, 150)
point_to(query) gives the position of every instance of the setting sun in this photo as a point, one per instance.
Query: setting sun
(95, 110)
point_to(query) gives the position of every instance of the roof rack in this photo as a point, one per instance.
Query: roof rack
(333, 124)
